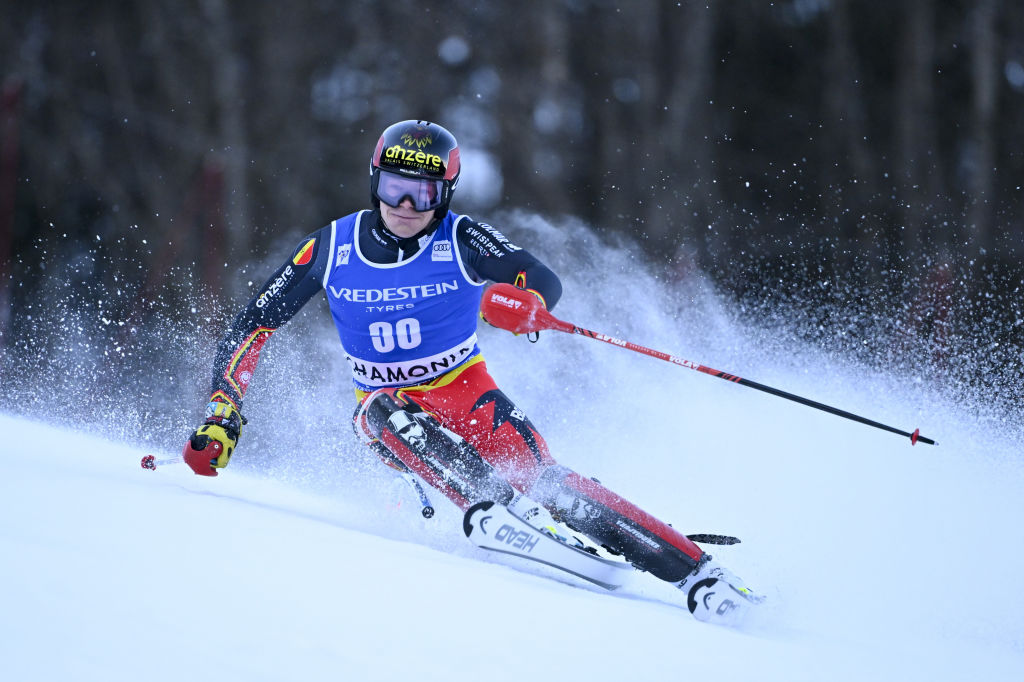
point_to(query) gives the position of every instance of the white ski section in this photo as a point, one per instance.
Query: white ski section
(716, 601)
(497, 529)
(881, 562)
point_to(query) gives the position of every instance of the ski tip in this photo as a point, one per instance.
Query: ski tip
(716, 601)
(467, 527)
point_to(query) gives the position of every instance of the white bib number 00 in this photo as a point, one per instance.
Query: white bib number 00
(405, 334)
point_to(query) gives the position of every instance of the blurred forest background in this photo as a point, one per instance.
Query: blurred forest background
(800, 154)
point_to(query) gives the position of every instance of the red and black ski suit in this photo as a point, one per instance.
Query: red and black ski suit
(455, 429)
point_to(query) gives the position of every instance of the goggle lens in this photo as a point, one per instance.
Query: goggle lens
(393, 189)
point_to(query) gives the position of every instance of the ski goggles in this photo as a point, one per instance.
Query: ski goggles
(393, 189)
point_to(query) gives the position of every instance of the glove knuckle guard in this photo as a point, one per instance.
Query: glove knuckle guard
(512, 309)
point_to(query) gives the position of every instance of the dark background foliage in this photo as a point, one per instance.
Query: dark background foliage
(806, 155)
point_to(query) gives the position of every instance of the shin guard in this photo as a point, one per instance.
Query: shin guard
(588, 507)
(440, 457)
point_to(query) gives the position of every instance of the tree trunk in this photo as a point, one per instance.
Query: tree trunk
(915, 171)
(845, 113)
(981, 149)
(228, 91)
(687, 39)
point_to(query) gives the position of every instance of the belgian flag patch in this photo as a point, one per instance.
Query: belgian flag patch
(305, 254)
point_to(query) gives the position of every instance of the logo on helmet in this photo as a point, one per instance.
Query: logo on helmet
(420, 138)
(410, 157)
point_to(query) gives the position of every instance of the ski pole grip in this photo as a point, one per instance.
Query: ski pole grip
(517, 310)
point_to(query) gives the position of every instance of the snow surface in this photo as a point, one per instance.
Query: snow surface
(880, 560)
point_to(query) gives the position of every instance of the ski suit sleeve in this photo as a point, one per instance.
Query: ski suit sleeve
(278, 300)
(489, 255)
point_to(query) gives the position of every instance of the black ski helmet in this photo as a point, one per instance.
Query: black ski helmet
(419, 150)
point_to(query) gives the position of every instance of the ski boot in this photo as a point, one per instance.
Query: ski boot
(715, 595)
(536, 515)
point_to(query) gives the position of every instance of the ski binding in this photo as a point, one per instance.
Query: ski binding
(494, 527)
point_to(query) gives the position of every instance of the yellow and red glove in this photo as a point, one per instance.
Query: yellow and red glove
(210, 446)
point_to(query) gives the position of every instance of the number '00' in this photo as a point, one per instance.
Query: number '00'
(405, 334)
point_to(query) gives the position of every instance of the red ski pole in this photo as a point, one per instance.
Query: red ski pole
(519, 311)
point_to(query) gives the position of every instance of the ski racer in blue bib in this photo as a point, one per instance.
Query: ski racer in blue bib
(406, 322)
(403, 282)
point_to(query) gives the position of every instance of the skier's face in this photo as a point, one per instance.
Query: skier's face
(404, 220)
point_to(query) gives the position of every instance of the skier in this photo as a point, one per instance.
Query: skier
(403, 282)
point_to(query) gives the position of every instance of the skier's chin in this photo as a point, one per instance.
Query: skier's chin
(406, 223)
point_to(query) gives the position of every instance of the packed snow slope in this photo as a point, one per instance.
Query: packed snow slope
(306, 560)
